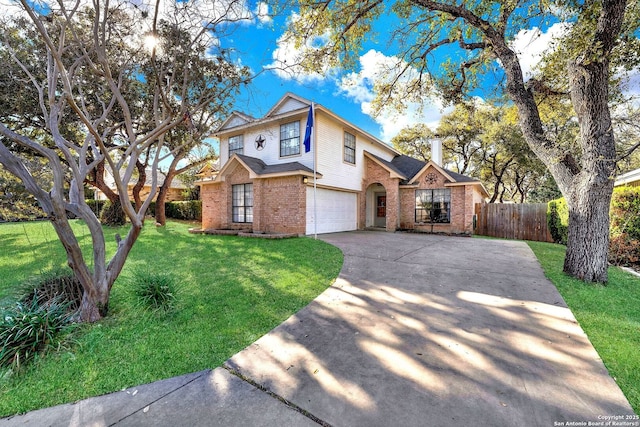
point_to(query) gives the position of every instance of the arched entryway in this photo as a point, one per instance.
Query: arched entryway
(376, 206)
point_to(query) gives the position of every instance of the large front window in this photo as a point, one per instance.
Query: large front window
(242, 203)
(290, 139)
(236, 145)
(433, 205)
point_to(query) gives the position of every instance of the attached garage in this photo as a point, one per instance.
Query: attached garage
(336, 211)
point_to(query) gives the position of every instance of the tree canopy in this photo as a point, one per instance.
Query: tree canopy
(83, 89)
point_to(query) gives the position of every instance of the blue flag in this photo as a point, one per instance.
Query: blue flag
(307, 134)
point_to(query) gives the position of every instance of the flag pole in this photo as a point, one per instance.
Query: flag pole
(315, 205)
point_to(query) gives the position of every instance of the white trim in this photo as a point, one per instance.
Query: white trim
(627, 178)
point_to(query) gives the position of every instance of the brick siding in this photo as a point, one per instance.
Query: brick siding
(279, 204)
(463, 199)
(376, 174)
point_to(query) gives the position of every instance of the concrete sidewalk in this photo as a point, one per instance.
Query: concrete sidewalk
(418, 330)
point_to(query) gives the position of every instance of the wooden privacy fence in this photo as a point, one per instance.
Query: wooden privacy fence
(513, 221)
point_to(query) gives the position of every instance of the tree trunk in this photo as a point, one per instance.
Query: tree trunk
(589, 197)
(95, 303)
(142, 179)
(98, 182)
(588, 233)
(161, 217)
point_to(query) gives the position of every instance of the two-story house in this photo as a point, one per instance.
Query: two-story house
(267, 184)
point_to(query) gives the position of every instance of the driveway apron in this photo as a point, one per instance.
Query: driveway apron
(429, 330)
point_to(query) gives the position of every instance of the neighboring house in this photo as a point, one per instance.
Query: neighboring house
(209, 171)
(266, 180)
(630, 178)
(175, 192)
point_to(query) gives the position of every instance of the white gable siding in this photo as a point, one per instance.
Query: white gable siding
(335, 171)
(233, 122)
(289, 105)
(270, 154)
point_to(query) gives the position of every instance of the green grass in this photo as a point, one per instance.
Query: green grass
(609, 315)
(231, 291)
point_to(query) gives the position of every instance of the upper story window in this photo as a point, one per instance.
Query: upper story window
(349, 148)
(433, 205)
(290, 139)
(236, 145)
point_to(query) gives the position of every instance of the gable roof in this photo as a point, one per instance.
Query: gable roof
(394, 171)
(236, 119)
(293, 101)
(408, 165)
(409, 169)
(259, 169)
(290, 105)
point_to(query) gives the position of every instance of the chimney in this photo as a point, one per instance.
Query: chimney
(436, 151)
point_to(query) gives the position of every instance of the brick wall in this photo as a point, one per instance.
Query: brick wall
(212, 195)
(279, 204)
(462, 206)
(376, 174)
(283, 204)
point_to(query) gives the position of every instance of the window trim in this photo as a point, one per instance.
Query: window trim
(247, 204)
(290, 139)
(345, 148)
(430, 213)
(236, 150)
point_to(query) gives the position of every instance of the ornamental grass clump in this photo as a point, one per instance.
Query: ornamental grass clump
(28, 328)
(42, 315)
(155, 290)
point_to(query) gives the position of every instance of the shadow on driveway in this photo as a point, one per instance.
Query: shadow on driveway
(433, 330)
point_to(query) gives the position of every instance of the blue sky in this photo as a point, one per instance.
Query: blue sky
(258, 43)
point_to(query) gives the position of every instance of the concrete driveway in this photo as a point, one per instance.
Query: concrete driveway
(418, 330)
(427, 330)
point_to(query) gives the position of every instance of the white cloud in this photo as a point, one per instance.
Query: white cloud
(287, 57)
(531, 45)
(376, 66)
(262, 13)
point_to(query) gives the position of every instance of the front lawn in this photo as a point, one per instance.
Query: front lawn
(232, 291)
(609, 315)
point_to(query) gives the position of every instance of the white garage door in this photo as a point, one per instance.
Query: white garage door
(336, 211)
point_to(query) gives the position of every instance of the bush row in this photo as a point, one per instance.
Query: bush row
(188, 210)
(624, 214)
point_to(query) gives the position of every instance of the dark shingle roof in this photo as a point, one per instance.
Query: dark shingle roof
(408, 165)
(459, 177)
(261, 168)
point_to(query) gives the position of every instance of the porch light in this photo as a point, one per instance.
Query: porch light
(305, 179)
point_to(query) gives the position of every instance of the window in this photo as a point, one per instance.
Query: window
(242, 204)
(349, 148)
(433, 205)
(236, 145)
(290, 139)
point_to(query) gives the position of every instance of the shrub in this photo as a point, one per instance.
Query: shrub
(53, 285)
(558, 220)
(155, 290)
(188, 210)
(28, 328)
(112, 214)
(96, 205)
(625, 212)
(624, 250)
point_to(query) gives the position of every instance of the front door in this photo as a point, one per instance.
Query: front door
(381, 210)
